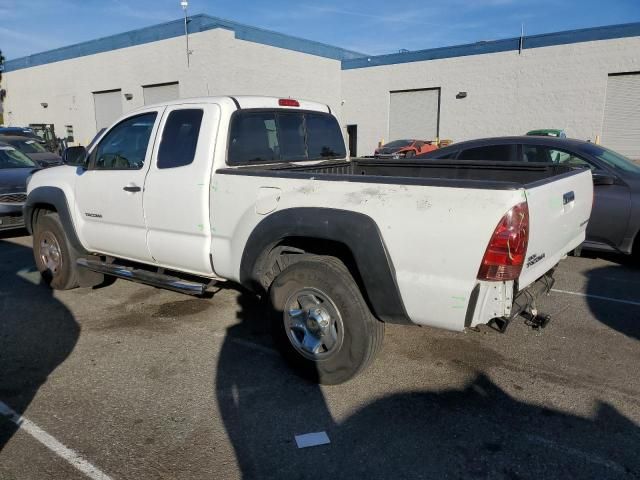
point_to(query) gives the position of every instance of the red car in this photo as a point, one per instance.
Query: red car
(404, 149)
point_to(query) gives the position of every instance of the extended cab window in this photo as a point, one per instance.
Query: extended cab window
(180, 138)
(282, 136)
(500, 153)
(124, 147)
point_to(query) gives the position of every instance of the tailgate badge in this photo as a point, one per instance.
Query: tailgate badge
(533, 259)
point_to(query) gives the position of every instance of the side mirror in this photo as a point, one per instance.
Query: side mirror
(603, 179)
(75, 156)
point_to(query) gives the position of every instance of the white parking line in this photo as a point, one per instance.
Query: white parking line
(52, 444)
(597, 297)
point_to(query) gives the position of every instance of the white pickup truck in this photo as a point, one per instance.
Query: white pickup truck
(260, 191)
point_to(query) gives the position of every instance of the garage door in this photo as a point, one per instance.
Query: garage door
(161, 93)
(621, 126)
(108, 106)
(414, 114)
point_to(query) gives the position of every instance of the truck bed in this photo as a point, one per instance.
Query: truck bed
(470, 174)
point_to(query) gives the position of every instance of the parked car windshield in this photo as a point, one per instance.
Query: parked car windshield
(28, 146)
(398, 143)
(613, 159)
(12, 158)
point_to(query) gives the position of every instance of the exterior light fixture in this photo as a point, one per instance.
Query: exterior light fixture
(44, 104)
(461, 95)
(128, 96)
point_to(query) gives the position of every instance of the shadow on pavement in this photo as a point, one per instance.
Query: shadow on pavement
(628, 261)
(617, 282)
(21, 232)
(479, 431)
(37, 332)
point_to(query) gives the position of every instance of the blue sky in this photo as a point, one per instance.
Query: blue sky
(374, 27)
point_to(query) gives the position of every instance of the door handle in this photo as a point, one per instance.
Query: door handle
(131, 188)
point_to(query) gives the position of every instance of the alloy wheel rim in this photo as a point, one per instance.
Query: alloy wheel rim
(313, 324)
(50, 253)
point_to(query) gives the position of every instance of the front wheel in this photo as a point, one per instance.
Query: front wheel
(54, 256)
(410, 154)
(321, 322)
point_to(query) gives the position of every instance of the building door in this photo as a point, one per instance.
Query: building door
(164, 92)
(621, 124)
(352, 133)
(108, 106)
(414, 114)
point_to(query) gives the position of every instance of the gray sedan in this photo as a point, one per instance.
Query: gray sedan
(615, 218)
(15, 169)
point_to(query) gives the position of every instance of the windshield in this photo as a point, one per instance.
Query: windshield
(398, 143)
(613, 159)
(12, 158)
(28, 146)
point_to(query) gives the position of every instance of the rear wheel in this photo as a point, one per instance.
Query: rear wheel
(54, 256)
(321, 322)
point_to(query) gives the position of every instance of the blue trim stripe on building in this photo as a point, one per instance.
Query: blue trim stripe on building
(197, 23)
(505, 45)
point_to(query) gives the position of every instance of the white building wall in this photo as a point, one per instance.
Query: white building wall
(220, 65)
(507, 94)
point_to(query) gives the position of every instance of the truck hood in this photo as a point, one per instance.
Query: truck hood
(14, 180)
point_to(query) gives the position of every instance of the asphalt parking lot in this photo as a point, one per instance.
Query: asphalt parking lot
(128, 381)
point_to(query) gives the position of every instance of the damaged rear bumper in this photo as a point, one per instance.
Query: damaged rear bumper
(498, 303)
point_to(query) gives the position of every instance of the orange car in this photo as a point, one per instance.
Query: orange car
(404, 149)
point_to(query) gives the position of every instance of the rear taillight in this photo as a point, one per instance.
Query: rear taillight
(288, 102)
(507, 248)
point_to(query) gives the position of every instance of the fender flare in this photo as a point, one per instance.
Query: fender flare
(358, 232)
(52, 196)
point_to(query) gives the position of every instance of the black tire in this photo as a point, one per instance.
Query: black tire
(59, 271)
(410, 154)
(361, 334)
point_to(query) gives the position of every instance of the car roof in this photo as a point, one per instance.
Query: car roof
(528, 139)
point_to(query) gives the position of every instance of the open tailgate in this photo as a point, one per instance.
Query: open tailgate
(559, 209)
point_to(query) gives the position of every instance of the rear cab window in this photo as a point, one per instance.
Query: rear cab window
(272, 136)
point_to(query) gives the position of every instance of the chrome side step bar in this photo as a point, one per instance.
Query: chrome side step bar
(139, 275)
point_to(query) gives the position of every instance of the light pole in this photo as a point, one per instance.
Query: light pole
(185, 4)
